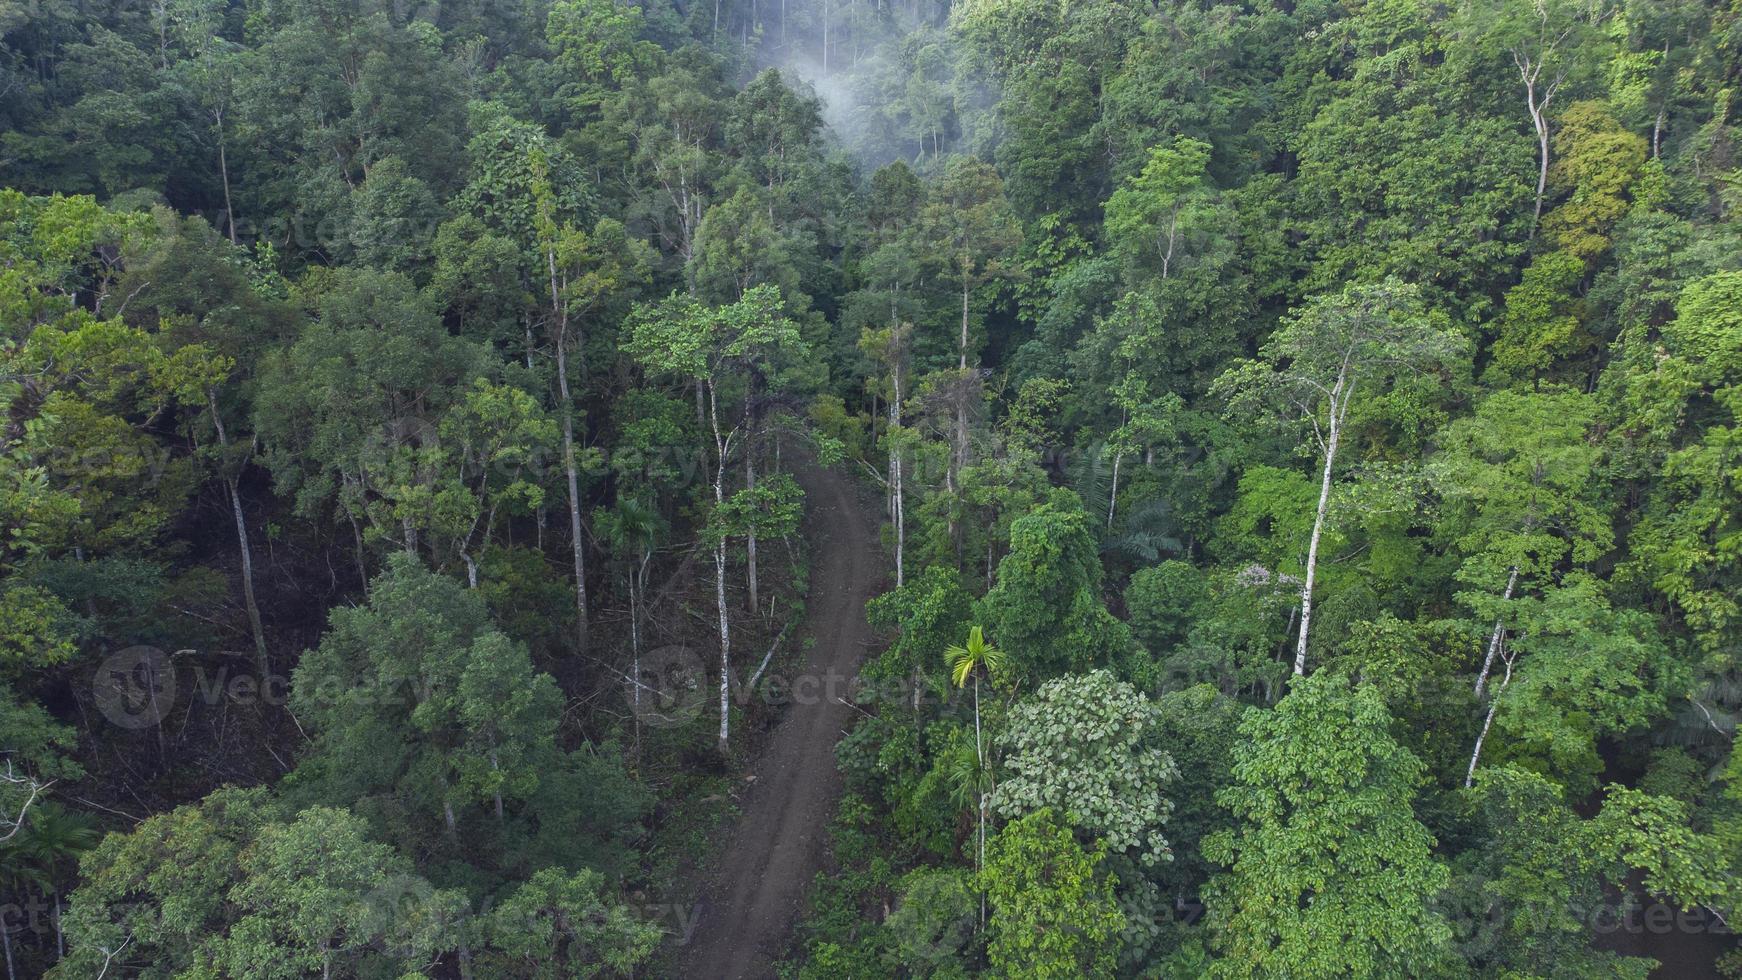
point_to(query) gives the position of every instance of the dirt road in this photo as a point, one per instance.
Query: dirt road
(756, 887)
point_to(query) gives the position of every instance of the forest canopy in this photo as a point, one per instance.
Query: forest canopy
(1303, 442)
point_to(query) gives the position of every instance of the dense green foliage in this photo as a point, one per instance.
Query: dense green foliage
(1310, 435)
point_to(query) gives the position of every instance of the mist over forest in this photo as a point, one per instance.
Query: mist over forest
(831, 489)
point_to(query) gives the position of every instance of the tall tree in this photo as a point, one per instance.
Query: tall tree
(489, 440)
(1157, 219)
(237, 886)
(1046, 607)
(192, 287)
(889, 346)
(1543, 40)
(971, 234)
(967, 663)
(633, 528)
(1086, 745)
(584, 272)
(418, 699)
(713, 348)
(1354, 343)
(1329, 872)
(1576, 669)
(348, 414)
(1053, 912)
(1521, 488)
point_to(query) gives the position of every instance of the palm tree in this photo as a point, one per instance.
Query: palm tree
(969, 662)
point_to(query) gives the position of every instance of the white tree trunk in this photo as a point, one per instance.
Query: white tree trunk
(1541, 123)
(900, 523)
(1493, 705)
(720, 576)
(979, 774)
(232, 488)
(750, 533)
(959, 449)
(1113, 493)
(576, 535)
(224, 171)
(637, 583)
(1339, 398)
(1530, 72)
(248, 599)
(963, 363)
(1171, 240)
(1494, 638)
(895, 474)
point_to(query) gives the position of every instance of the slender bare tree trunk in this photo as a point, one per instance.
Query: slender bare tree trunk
(224, 171)
(895, 475)
(1113, 494)
(889, 462)
(979, 773)
(959, 451)
(1493, 705)
(1494, 638)
(1118, 457)
(963, 364)
(750, 533)
(1171, 240)
(357, 546)
(900, 530)
(576, 535)
(720, 576)
(1542, 169)
(248, 598)
(637, 583)
(233, 490)
(1530, 72)
(1339, 398)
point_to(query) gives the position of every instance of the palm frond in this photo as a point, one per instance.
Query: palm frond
(977, 655)
(960, 662)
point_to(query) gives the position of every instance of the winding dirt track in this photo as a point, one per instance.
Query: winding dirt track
(755, 888)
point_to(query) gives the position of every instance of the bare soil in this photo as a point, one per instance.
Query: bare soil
(754, 889)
